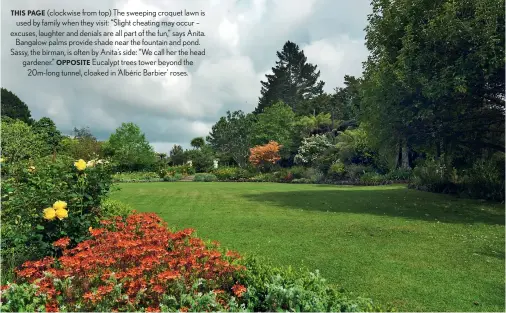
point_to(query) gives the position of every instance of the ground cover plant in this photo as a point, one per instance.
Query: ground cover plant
(419, 251)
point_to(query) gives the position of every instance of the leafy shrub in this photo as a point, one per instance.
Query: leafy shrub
(184, 170)
(232, 173)
(399, 174)
(204, 177)
(43, 200)
(273, 289)
(354, 171)
(485, 180)
(337, 171)
(298, 171)
(434, 176)
(263, 177)
(111, 208)
(175, 177)
(301, 181)
(311, 149)
(372, 178)
(127, 177)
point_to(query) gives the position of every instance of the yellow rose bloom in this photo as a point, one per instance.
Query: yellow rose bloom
(49, 214)
(89, 229)
(80, 165)
(31, 169)
(61, 213)
(60, 205)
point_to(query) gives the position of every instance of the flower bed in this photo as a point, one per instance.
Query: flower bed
(137, 264)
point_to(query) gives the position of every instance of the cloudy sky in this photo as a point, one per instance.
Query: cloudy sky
(242, 37)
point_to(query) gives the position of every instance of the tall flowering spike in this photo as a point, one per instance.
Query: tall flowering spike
(80, 165)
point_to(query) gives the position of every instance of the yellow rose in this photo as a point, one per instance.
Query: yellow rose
(80, 165)
(89, 229)
(61, 213)
(31, 169)
(49, 214)
(60, 205)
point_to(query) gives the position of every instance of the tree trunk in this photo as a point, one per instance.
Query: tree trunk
(399, 155)
(405, 156)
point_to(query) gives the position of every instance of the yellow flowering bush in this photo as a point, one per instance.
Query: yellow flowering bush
(62, 197)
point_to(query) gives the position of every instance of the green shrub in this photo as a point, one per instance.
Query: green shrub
(434, 176)
(372, 178)
(275, 289)
(112, 208)
(336, 171)
(263, 177)
(301, 181)
(485, 180)
(298, 171)
(399, 174)
(127, 177)
(175, 177)
(355, 171)
(204, 177)
(43, 185)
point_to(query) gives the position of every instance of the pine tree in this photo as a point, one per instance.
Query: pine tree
(293, 79)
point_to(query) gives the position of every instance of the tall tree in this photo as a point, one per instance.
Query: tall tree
(292, 81)
(14, 108)
(47, 131)
(434, 80)
(177, 156)
(232, 136)
(129, 148)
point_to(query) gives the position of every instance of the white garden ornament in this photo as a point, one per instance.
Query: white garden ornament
(215, 163)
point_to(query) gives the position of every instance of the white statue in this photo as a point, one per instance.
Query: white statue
(189, 163)
(215, 163)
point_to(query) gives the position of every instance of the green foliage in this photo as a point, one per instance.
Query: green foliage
(435, 79)
(337, 171)
(232, 136)
(46, 129)
(24, 298)
(232, 173)
(173, 178)
(399, 174)
(111, 208)
(273, 289)
(263, 177)
(204, 177)
(34, 186)
(14, 108)
(177, 155)
(275, 123)
(311, 149)
(129, 148)
(353, 147)
(129, 177)
(83, 146)
(293, 79)
(198, 142)
(19, 142)
(202, 159)
(354, 171)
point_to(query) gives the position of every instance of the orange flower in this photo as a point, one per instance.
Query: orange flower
(62, 243)
(239, 290)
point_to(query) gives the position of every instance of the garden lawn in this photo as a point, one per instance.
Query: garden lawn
(418, 251)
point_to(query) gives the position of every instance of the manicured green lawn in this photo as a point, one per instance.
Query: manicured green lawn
(419, 251)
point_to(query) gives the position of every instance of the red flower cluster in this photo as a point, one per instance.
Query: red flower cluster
(142, 255)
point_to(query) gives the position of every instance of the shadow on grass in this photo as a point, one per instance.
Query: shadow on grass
(395, 202)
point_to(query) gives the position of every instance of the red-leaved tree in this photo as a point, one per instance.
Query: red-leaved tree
(266, 155)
